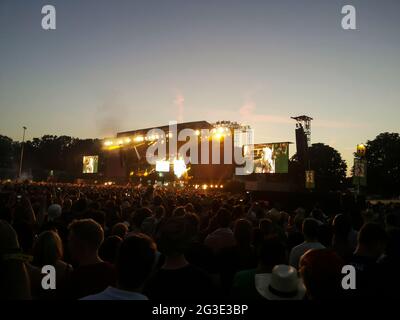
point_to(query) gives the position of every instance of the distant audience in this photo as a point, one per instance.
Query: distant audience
(186, 244)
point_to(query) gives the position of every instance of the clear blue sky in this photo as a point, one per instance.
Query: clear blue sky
(119, 65)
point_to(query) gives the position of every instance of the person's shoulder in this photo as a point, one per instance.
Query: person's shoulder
(298, 248)
(97, 296)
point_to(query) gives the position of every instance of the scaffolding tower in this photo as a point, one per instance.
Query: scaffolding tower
(305, 123)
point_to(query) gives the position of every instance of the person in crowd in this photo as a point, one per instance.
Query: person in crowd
(270, 253)
(138, 217)
(48, 250)
(177, 279)
(310, 232)
(371, 245)
(321, 271)
(135, 261)
(196, 252)
(14, 277)
(390, 264)
(295, 225)
(120, 229)
(223, 236)
(109, 248)
(151, 223)
(341, 243)
(92, 274)
(239, 257)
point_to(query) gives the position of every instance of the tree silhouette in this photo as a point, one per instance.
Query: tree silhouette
(383, 164)
(330, 168)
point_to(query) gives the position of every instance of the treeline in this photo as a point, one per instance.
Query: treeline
(60, 154)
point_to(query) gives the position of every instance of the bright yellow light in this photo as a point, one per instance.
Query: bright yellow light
(127, 140)
(218, 136)
(120, 142)
(131, 173)
(197, 132)
(108, 143)
(220, 129)
(221, 186)
(145, 173)
(205, 187)
(110, 148)
(139, 139)
(211, 186)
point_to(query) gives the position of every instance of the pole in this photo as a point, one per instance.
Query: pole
(22, 153)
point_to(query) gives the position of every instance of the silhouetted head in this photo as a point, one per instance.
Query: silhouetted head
(85, 238)
(321, 272)
(135, 261)
(310, 229)
(47, 249)
(371, 240)
(243, 232)
(109, 248)
(119, 229)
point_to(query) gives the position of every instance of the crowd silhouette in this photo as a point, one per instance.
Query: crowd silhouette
(139, 243)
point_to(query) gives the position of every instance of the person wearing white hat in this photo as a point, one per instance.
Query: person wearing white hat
(282, 284)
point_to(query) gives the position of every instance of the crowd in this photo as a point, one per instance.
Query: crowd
(142, 243)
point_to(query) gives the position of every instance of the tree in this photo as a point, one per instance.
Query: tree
(383, 164)
(330, 168)
(7, 147)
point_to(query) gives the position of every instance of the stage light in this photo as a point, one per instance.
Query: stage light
(179, 168)
(127, 140)
(361, 150)
(211, 186)
(197, 132)
(205, 187)
(221, 186)
(220, 129)
(108, 143)
(218, 136)
(139, 139)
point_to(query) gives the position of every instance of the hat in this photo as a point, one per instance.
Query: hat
(54, 211)
(282, 284)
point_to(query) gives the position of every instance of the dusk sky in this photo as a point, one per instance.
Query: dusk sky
(122, 65)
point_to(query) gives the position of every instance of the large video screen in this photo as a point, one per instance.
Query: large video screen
(90, 164)
(271, 157)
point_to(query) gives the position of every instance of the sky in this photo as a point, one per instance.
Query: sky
(117, 65)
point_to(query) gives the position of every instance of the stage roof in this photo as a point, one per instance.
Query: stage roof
(180, 126)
